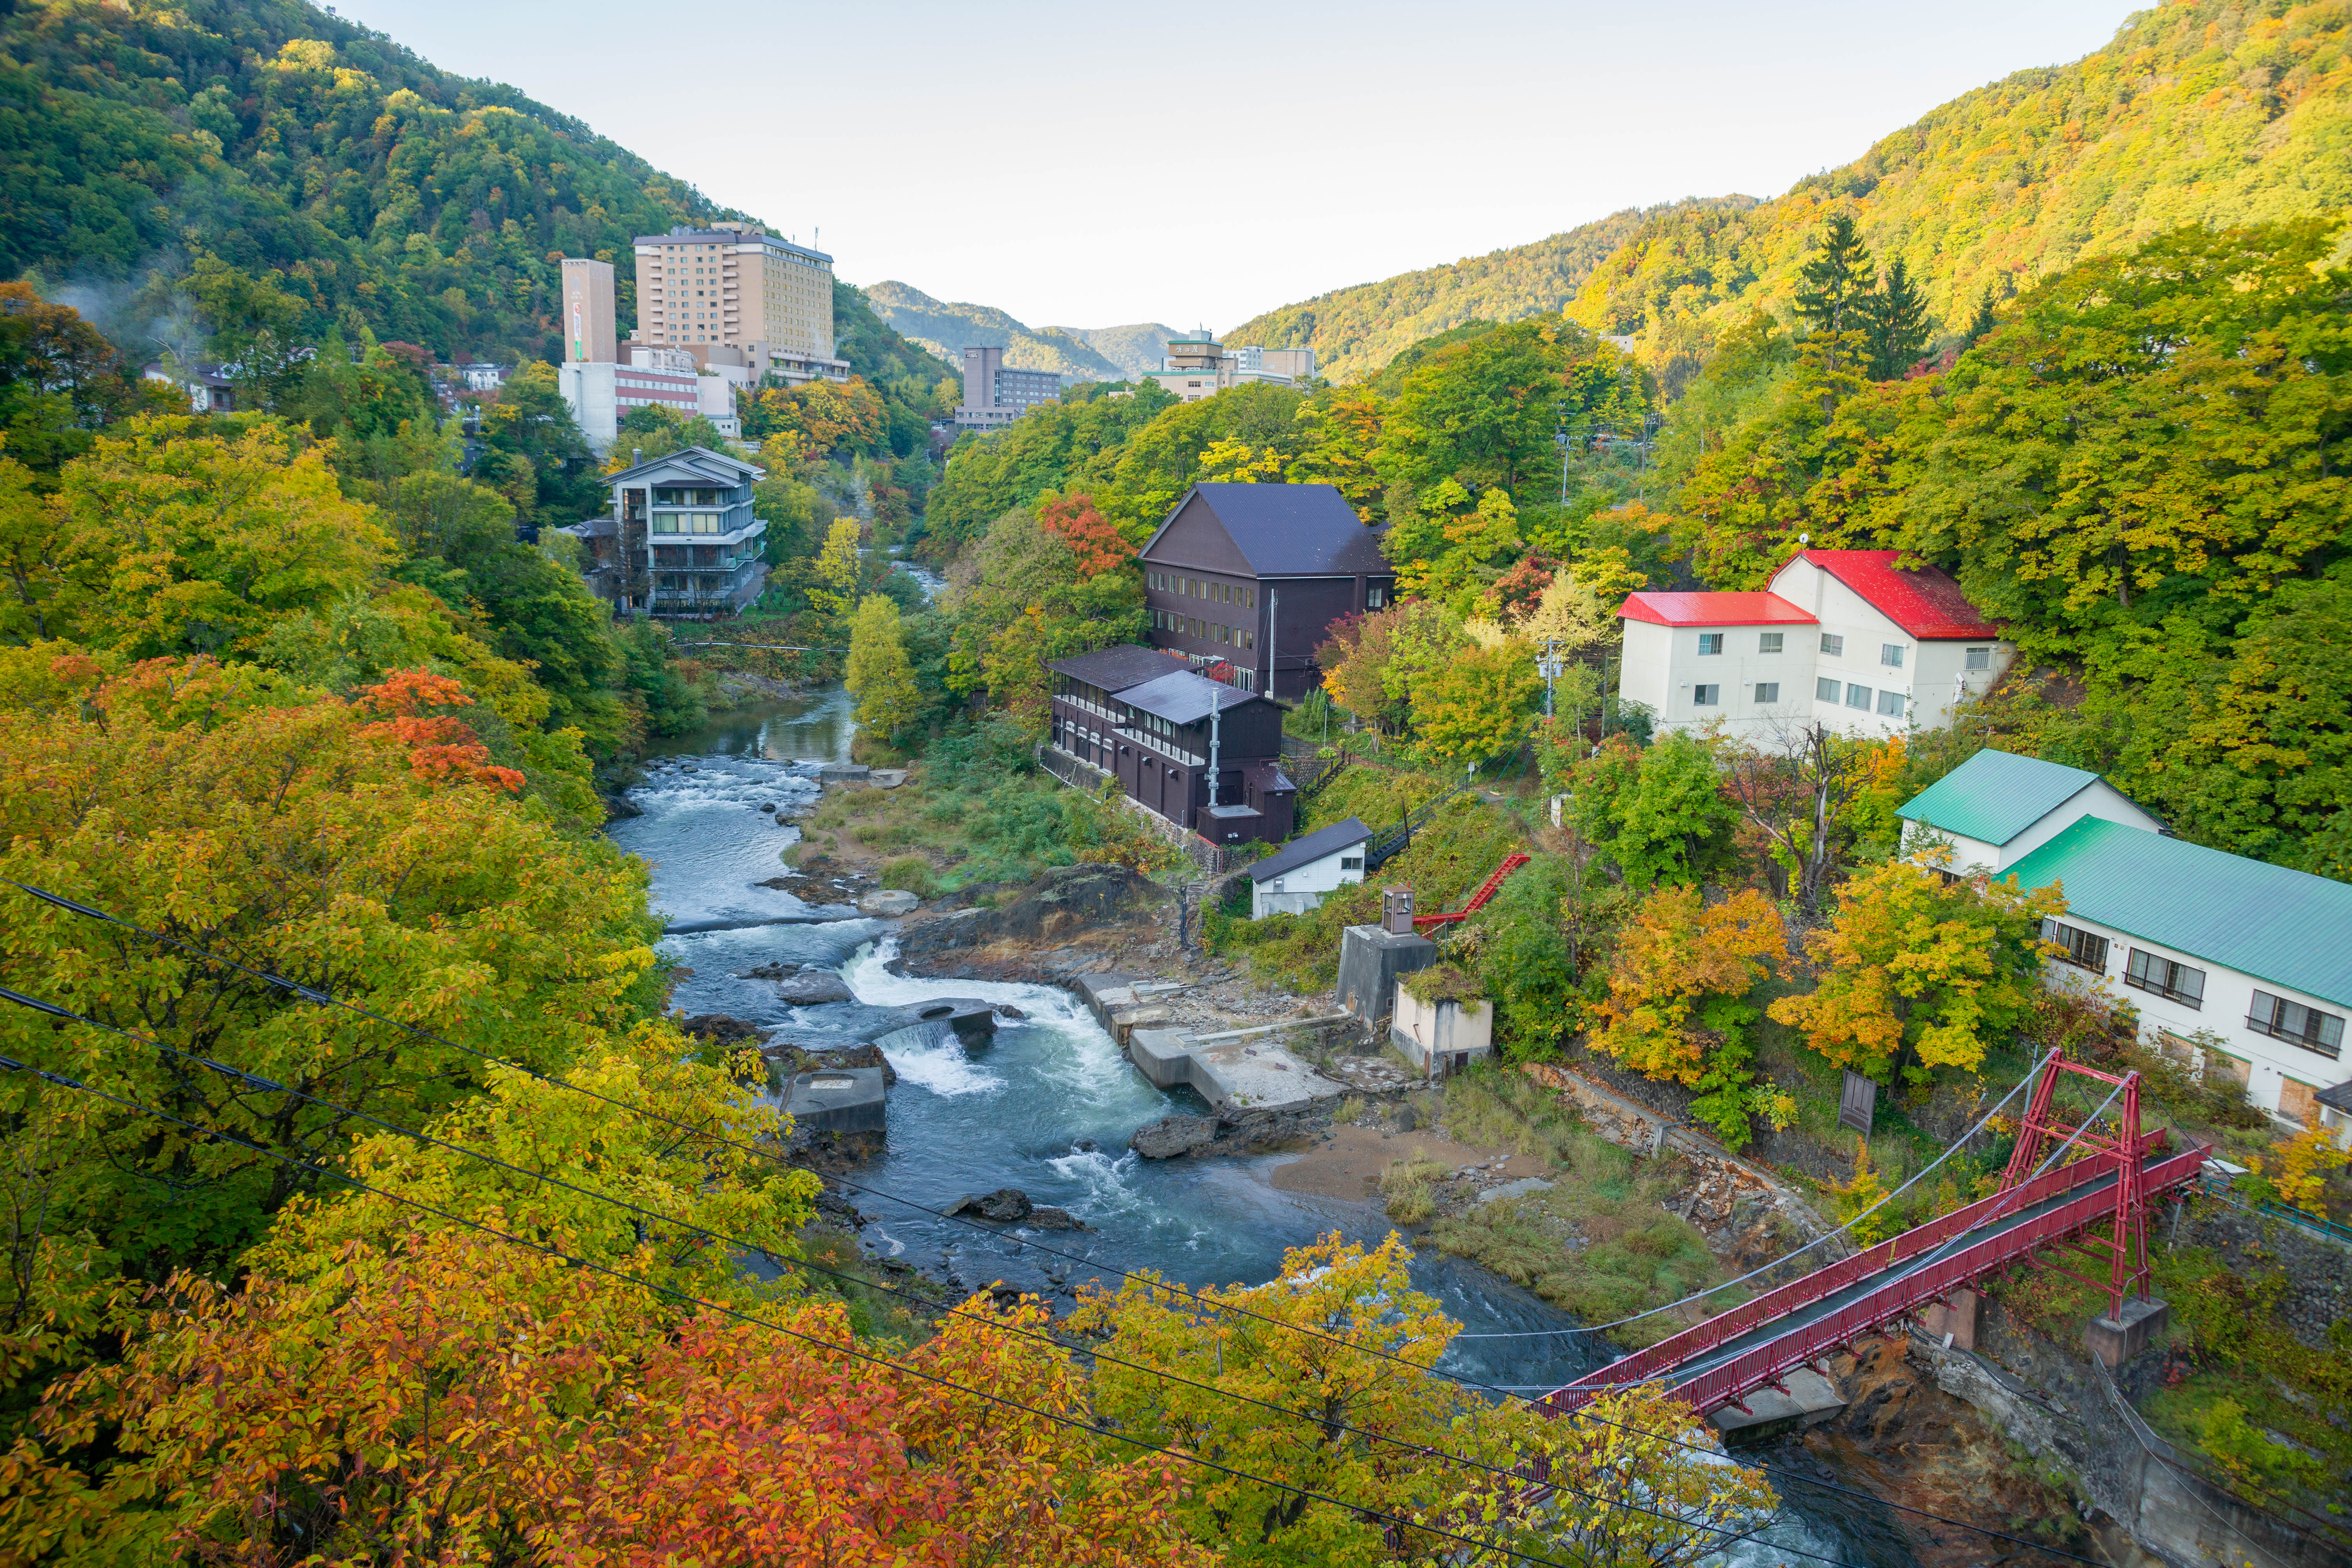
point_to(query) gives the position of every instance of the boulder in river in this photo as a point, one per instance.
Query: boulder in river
(769, 971)
(1004, 1205)
(721, 1029)
(1045, 1218)
(813, 988)
(888, 901)
(1174, 1135)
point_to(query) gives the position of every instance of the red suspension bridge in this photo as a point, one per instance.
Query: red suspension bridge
(2074, 1192)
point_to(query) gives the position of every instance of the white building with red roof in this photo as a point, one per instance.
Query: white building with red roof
(1843, 638)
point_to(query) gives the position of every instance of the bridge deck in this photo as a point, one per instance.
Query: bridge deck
(1755, 1344)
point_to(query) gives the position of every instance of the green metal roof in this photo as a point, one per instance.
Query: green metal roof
(2287, 927)
(1995, 796)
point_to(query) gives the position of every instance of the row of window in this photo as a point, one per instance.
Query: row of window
(1889, 653)
(1232, 637)
(690, 522)
(1829, 689)
(2185, 984)
(1201, 588)
(1711, 694)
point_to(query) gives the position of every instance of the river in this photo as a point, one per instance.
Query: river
(1049, 1107)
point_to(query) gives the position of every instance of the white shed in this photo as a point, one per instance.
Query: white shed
(1297, 878)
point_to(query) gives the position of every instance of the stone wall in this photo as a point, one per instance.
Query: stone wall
(2318, 1268)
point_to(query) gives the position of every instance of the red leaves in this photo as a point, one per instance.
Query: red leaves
(439, 748)
(1088, 533)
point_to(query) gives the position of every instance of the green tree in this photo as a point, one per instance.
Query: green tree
(880, 675)
(1898, 325)
(1477, 704)
(834, 588)
(1833, 291)
(1656, 814)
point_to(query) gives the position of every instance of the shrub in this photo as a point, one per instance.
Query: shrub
(1408, 1188)
(910, 873)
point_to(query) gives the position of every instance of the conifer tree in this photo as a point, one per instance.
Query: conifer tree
(1898, 323)
(1837, 279)
(1980, 323)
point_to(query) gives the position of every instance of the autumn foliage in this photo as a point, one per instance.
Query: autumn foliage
(439, 747)
(1089, 535)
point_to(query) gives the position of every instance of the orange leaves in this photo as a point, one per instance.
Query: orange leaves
(439, 748)
(1672, 952)
(456, 1399)
(1089, 535)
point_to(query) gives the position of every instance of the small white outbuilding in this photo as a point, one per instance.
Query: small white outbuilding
(1298, 876)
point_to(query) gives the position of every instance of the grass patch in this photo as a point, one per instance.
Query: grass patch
(910, 873)
(984, 825)
(1408, 1188)
(1598, 1244)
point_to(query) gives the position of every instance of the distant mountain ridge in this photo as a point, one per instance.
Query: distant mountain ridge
(2214, 111)
(1082, 353)
(1356, 331)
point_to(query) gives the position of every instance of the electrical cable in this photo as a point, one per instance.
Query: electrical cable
(64, 1080)
(1918, 1176)
(322, 999)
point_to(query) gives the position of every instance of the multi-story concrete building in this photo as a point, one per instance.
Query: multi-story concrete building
(602, 395)
(587, 311)
(996, 394)
(1842, 637)
(733, 286)
(1201, 367)
(680, 539)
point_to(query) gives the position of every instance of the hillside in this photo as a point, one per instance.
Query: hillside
(2217, 112)
(1081, 353)
(1357, 329)
(385, 191)
(2214, 111)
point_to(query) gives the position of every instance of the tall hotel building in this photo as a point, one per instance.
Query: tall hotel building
(734, 287)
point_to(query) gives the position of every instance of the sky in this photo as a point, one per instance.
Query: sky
(1094, 164)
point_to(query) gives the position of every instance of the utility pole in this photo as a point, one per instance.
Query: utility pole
(1273, 642)
(1548, 667)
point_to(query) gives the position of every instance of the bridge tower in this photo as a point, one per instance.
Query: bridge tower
(2120, 1245)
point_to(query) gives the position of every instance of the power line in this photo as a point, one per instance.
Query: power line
(321, 998)
(9, 1064)
(267, 1085)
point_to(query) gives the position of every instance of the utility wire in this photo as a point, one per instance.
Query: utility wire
(256, 1081)
(321, 998)
(63, 1080)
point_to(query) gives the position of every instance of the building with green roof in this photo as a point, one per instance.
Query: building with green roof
(2238, 966)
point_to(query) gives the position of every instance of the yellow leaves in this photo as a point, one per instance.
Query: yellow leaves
(1674, 951)
(2304, 1166)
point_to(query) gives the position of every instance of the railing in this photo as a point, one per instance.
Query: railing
(1723, 1382)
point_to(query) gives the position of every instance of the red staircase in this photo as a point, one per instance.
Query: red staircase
(2109, 1185)
(1511, 863)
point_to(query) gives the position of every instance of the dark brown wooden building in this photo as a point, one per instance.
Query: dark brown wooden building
(1253, 575)
(1144, 717)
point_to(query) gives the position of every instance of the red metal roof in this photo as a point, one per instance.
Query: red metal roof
(1713, 610)
(1922, 601)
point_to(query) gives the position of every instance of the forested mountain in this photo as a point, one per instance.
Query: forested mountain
(138, 139)
(947, 328)
(1355, 330)
(2212, 111)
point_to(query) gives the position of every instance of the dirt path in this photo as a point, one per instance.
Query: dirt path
(1349, 1164)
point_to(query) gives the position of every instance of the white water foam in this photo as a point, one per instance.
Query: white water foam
(1108, 1179)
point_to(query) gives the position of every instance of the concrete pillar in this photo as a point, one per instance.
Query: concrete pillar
(2115, 1341)
(1958, 1320)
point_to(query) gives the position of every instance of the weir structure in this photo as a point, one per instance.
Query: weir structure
(2095, 1204)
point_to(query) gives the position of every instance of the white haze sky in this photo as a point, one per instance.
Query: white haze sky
(1093, 164)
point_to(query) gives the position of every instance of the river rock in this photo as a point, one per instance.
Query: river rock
(1004, 1205)
(721, 1029)
(1044, 1218)
(1174, 1135)
(813, 988)
(888, 901)
(769, 971)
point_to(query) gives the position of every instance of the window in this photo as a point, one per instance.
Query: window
(1375, 596)
(1352, 862)
(1978, 659)
(1710, 642)
(1890, 654)
(1249, 598)
(1704, 696)
(1768, 642)
(1833, 645)
(1825, 689)
(2075, 946)
(2306, 1027)
(1857, 697)
(664, 522)
(1890, 704)
(1249, 639)
(1768, 691)
(2174, 981)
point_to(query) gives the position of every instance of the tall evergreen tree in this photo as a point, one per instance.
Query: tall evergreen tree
(1837, 279)
(1898, 323)
(1980, 323)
